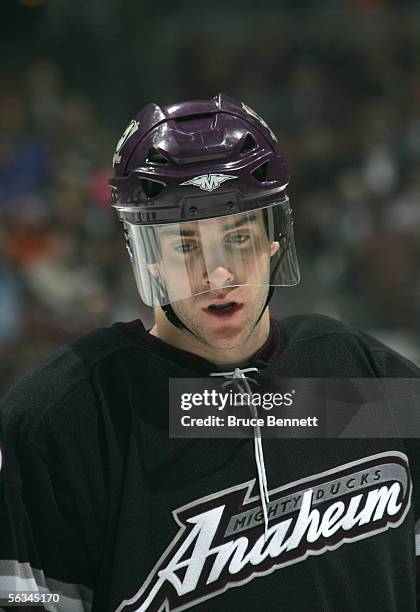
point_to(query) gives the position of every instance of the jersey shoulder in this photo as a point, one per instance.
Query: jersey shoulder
(61, 382)
(322, 333)
(308, 326)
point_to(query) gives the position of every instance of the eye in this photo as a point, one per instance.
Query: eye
(185, 247)
(238, 238)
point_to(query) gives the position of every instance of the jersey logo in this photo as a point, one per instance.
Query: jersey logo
(209, 182)
(221, 544)
(256, 116)
(132, 127)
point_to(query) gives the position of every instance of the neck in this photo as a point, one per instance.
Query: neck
(223, 356)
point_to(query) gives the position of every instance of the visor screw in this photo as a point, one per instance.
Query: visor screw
(231, 205)
(193, 210)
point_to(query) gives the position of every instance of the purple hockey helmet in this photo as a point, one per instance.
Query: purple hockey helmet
(200, 189)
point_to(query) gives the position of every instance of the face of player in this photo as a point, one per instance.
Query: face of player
(224, 264)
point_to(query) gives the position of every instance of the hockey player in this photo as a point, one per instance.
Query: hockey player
(99, 507)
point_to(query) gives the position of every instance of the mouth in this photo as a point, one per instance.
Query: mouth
(223, 310)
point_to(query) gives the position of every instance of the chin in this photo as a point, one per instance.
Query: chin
(225, 337)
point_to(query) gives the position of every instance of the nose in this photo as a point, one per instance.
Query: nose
(219, 277)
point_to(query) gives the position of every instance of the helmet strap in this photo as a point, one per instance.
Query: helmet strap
(173, 317)
(267, 301)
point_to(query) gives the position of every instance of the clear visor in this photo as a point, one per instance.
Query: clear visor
(177, 261)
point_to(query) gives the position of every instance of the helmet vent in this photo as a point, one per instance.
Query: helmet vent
(156, 157)
(260, 173)
(151, 188)
(248, 144)
(194, 117)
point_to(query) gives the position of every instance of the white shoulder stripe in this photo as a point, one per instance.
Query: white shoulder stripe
(16, 576)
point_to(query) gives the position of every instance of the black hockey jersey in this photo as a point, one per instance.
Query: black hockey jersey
(98, 504)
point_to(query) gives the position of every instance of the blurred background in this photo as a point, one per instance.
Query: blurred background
(337, 80)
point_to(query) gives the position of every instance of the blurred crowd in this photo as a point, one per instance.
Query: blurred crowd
(60, 252)
(349, 124)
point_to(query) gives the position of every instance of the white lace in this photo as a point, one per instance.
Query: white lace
(236, 374)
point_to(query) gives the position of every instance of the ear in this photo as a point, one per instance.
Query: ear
(274, 247)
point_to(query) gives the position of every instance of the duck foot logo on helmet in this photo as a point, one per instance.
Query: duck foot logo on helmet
(209, 182)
